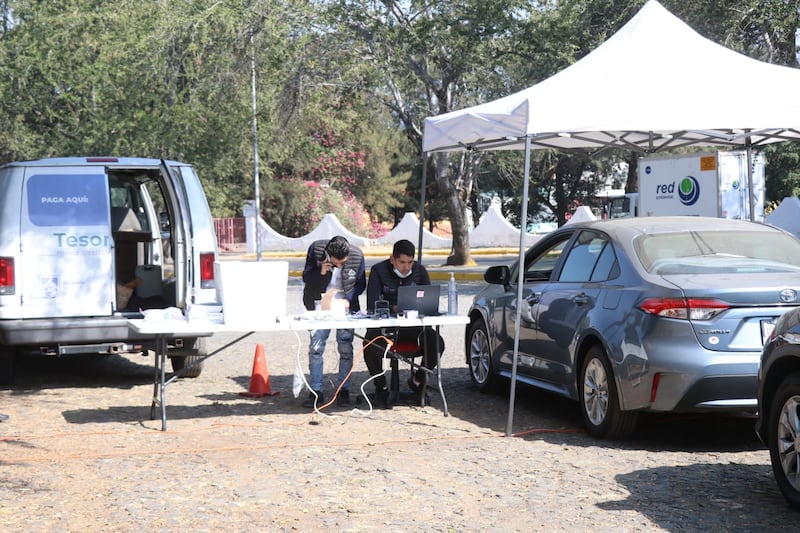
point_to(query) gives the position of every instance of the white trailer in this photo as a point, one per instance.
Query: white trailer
(706, 184)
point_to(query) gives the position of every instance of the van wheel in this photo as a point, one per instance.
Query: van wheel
(180, 362)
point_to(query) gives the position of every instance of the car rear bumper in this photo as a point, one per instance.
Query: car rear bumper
(63, 330)
(721, 393)
(91, 334)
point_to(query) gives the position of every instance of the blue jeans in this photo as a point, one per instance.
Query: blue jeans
(344, 344)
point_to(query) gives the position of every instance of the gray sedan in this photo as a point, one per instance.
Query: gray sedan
(662, 314)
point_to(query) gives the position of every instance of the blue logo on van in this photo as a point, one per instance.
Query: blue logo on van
(689, 190)
(68, 200)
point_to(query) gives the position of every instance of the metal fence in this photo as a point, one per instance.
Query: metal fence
(231, 233)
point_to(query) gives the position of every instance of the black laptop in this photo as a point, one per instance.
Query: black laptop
(422, 298)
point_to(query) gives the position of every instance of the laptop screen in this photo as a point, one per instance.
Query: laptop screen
(422, 298)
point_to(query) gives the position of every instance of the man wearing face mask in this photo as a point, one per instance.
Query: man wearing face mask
(332, 265)
(384, 280)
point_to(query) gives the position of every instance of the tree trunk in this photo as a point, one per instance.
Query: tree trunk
(632, 185)
(456, 209)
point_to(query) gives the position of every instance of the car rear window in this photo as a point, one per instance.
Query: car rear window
(717, 252)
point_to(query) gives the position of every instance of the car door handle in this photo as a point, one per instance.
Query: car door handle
(533, 298)
(581, 299)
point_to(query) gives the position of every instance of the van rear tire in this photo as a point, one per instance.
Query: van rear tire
(179, 362)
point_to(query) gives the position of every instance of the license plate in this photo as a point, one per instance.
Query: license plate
(766, 329)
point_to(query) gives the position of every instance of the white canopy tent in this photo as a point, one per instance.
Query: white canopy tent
(655, 85)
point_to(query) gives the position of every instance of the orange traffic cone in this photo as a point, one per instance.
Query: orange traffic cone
(259, 381)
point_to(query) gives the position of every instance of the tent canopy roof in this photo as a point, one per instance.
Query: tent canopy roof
(654, 85)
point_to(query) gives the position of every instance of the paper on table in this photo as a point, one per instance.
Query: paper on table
(163, 315)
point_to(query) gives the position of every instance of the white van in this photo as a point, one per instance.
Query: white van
(75, 231)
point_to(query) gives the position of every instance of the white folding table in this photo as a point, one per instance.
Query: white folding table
(163, 330)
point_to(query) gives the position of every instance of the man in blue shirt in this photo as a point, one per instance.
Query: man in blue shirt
(332, 265)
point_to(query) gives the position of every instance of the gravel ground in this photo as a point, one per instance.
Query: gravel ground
(80, 452)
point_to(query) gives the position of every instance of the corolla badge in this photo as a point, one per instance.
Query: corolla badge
(788, 295)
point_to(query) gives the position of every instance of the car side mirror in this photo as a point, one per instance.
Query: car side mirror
(498, 275)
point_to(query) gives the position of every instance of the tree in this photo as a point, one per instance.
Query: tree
(427, 59)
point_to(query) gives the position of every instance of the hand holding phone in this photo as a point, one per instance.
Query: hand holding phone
(326, 265)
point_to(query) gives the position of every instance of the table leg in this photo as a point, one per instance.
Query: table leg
(159, 381)
(160, 378)
(156, 380)
(439, 373)
(162, 348)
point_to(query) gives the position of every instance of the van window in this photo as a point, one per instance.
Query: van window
(67, 200)
(125, 197)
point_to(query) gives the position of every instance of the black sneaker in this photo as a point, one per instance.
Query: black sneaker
(311, 399)
(382, 399)
(414, 387)
(343, 398)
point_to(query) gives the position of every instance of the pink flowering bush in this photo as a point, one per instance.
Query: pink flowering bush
(323, 180)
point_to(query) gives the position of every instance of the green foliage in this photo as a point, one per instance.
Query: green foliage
(331, 174)
(782, 172)
(763, 29)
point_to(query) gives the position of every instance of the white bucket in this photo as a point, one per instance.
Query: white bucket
(252, 292)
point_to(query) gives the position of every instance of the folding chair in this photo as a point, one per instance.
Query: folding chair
(407, 351)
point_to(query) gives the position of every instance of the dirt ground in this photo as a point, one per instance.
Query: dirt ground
(80, 453)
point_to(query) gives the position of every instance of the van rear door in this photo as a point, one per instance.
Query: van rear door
(66, 243)
(194, 238)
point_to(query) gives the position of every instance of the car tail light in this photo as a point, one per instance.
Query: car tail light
(207, 271)
(6, 275)
(684, 308)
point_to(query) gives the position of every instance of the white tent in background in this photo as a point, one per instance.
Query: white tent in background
(408, 228)
(330, 227)
(654, 85)
(786, 216)
(494, 230)
(581, 214)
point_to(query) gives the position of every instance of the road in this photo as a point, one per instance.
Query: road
(79, 452)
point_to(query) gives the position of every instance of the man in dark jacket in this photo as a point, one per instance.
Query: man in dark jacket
(332, 265)
(384, 280)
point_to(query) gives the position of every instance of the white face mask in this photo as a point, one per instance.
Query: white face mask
(401, 276)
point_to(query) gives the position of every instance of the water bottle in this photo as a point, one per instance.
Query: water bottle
(452, 296)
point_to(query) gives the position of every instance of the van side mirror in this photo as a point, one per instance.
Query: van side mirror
(498, 275)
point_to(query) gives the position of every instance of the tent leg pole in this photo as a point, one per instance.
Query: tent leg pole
(523, 227)
(749, 186)
(422, 205)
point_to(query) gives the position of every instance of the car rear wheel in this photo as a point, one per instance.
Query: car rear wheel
(784, 438)
(599, 401)
(480, 358)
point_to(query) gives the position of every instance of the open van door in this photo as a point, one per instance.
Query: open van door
(193, 236)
